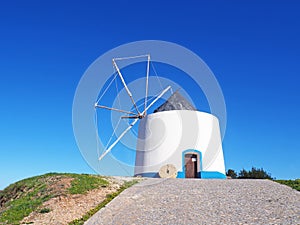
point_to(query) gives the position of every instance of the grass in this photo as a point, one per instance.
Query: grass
(26, 196)
(84, 183)
(295, 184)
(109, 198)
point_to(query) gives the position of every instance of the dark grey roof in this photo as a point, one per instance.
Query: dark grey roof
(175, 102)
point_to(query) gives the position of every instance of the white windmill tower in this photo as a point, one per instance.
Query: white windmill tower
(174, 141)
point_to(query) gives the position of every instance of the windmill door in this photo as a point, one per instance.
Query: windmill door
(190, 165)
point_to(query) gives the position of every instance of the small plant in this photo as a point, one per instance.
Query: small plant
(44, 210)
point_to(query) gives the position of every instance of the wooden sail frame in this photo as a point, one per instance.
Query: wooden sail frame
(137, 115)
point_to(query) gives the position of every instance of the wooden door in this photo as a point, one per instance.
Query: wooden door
(190, 165)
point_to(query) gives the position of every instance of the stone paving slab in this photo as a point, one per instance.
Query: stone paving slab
(196, 201)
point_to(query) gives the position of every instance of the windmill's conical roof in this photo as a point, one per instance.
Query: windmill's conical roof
(175, 102)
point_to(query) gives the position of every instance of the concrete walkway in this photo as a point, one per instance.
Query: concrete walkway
(191, 201)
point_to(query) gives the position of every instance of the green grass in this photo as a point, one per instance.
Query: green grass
(109, 197)
(295, 184)
(84, 183)
(30, 193)
(25, 196)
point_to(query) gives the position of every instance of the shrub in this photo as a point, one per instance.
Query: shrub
(231, 173)
(45, 210)
(254, 173)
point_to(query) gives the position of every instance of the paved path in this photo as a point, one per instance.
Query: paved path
(191, 201)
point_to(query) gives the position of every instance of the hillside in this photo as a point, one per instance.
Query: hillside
(57, 198)
(61, 198)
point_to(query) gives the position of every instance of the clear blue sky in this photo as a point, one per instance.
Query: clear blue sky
(252, 47)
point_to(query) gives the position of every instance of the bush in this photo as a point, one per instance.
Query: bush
(231, 173)
(254, 173)
(45, 210)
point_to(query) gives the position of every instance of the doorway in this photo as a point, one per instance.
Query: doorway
(191, 163)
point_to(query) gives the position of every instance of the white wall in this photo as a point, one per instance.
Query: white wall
(163, 136)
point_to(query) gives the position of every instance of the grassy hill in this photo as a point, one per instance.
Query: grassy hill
(20, 199)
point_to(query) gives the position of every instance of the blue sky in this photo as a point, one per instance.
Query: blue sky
(252, 47)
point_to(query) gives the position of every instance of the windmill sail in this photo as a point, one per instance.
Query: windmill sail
(134, 122)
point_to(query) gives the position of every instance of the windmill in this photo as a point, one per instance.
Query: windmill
(176, 140)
